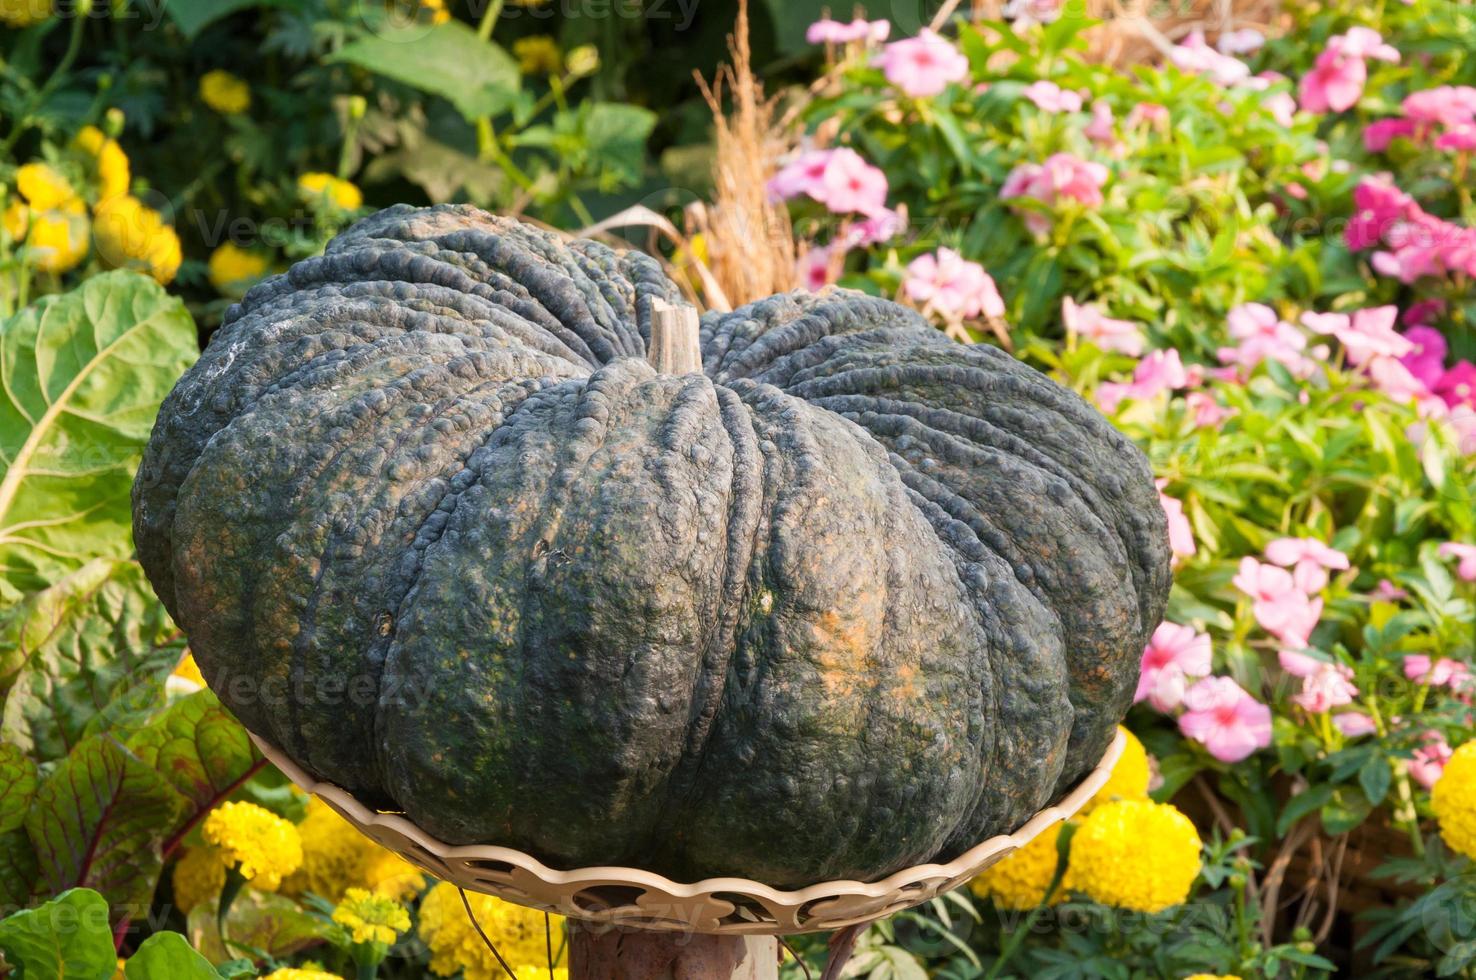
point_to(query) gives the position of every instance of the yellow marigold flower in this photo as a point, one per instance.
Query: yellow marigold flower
(1020, 880)
(341, 193)
(24, 13)
(189, 670)
(224, 92)
(56, 239)
(455, 946)
(298, 973)
(42, 187)
(263, 846)
(539, 971)
(118, 970)
(232, 269)
(1129, 778)
(386, 873)
(1135, 854)
(583, 60)
(537, 55)
(437, 10)
(1454, 800)
(113, 175)
(371, 918)
(198, 877)
(130, 234)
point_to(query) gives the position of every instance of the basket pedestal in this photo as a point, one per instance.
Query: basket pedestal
(636, 955)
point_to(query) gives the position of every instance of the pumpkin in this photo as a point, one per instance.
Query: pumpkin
(852, 598)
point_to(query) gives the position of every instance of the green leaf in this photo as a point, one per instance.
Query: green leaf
(449, 60)
(98, 821)
(168, 956)
(1347, 809)
(69, 652)
(615, 134)
(17, 869)
(193, 16)
(257, 920)
(1302, 804)
(68, 938)
(198, 746)
(82, 375)
(17, 786)
(1375, 777)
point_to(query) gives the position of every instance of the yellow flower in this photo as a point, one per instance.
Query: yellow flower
(297, 973)
(437, 10)
(113, 176)
(118, 970)
(1135, 854)
(341, 194)
(537, 55)
(23, 13)
(56, 239)
(263, 846)
(232, 269)
(198, 877)
(224, 92)
(188, 670)
(454, 944)
(583, 60)
(130, 234)
(371, 918)
(1020, 880)
(336, 857)
(1129, 778)
(539, 971)
(42, 187)
(1454, 800)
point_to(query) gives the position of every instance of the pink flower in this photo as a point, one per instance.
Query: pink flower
(818, 268)
(1366, 334)
(850, 184)
(1207, 413)
(952, 285)
(1100, 130)
(1195, 56)
(881, 226)
(1446, 105)
(1174, 655)
(1444, 672)
(1061, 177)
(1155, 374)
(800, 176)
(1365, 42)
(1225, 719)
(1387, 591)
(1181, 535)
(1430, 759)
(834, 32)
(1309, 560)
(923, 66)
(1326, 688)
(1335, 82)
(1354, 723)
(1050, 97)
(1426, 357)
(1282, 609)
(1086, 320)
(1378, 135)
(1465, 554)
(1423, 313)
(1148, 114)
(1247, 40)
(1264, 336)
(1377, 205)
(1461, 138)
(1395, 380)
(1458, 385)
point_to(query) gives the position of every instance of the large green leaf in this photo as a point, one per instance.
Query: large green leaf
(616, 135)
(81, 378)
(168, 956)
(198, 746)
(66, 939)
(274, 924)
(17, 869)
(449, 60)
(17, 786)
(98, 821)
(69, 653)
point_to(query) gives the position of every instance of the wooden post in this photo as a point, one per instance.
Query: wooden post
(674, 347)
(633, 955)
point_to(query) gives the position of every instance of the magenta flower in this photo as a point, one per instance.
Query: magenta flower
(1447, 105)
(850, 184)
(952, 285)
(1424, 313)
(1426, 357)
(1174, 655)
(1309, 560)
(1327, 687)
(1086, 320)
(1181, 535)
(1444, 672)
(1050, 97)
(923, 66)
(1354, 723)
(1378, 135)
(1336, 80)
(800, 176)
(828, 31)
(1466, 556)
(818, 268)
(1061, 177)
(1458, 385)
(1430, 759)
(1225, 719)
(1461, 139)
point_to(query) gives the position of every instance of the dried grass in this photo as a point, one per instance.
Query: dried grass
(749, 239)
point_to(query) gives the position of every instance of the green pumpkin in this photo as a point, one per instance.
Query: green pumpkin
(855, 598)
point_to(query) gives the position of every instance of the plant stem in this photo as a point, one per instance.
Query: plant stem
(74, 47)
(489, 19)
(1013, 941)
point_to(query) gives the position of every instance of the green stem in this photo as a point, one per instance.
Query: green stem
(489, 19)
(1012, 943)
(74, 47)
(1405, 812)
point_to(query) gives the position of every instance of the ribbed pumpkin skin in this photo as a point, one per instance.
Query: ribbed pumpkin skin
(858, 598)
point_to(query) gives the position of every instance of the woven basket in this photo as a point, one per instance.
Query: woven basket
(636, 899)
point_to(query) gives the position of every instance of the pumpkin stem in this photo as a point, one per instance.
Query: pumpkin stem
(674, 347)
